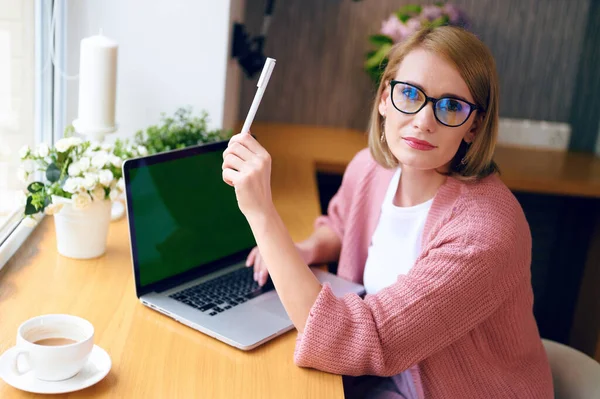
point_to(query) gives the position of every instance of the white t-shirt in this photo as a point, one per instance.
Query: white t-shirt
(396, 242)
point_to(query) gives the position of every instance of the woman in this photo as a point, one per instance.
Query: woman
(424, 222)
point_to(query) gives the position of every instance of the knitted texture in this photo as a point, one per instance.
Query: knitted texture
(461, 319)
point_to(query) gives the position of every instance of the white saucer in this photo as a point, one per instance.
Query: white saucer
(96, 369)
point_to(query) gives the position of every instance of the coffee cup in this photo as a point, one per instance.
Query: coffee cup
(55, 347)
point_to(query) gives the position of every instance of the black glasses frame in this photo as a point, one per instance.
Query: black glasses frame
(472, 107)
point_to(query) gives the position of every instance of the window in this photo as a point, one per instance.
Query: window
(25, 76)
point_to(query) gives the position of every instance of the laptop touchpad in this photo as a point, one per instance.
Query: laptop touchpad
(273, 305)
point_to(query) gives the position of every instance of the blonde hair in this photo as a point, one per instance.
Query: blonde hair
(476, 65)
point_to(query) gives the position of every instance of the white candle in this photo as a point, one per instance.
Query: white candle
(97, 84)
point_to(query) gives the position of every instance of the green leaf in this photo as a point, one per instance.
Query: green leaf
(440, 21)
(69, 131)
(52, 173)
(35, 187)
(29, 208)
(378, 57)
(380, 39)
(403, 17)
(411, 9)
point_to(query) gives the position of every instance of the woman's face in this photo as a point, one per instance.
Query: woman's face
(418, 140)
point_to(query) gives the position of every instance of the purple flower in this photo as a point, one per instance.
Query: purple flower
(413, 25)
(454, 14)
(399, 31)
(431, 13)
(393, 28)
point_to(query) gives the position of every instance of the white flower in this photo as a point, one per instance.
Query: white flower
(90, 180)
(81, 200)
(24, 151)
(43, 150)
(22, 175)
(84, 164)
(106, 177)
(142, 150)
(100, 159)
(72, 184)
(53, 208)
(74, 169)
(116, 161)
(114, 194)
(29, 166)
(64, 144)
(29, 222)
(107, 147)
(98, 194)
(121, 184)
(21, 198)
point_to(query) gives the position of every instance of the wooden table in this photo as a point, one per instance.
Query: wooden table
(154, 356)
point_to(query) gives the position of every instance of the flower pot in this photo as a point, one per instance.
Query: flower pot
(82, 233)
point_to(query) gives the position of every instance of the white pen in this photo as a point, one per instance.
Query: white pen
(262, 85)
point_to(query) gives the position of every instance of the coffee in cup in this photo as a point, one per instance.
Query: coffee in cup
(55, 341)
(54, 347)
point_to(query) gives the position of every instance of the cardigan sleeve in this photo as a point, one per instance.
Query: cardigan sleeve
(459, 280)
(338, 208)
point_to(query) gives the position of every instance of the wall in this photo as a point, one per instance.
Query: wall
(320, 48)
(585, 118)
(171, 54)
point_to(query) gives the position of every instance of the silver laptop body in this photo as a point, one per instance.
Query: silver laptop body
(188, 259)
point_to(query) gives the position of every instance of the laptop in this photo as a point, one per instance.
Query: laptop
(189, 242)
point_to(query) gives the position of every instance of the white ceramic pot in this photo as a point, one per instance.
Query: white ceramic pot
(82, 233)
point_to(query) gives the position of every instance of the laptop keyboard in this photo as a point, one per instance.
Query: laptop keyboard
(223, 293)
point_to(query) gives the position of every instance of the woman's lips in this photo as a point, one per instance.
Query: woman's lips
(418, 144)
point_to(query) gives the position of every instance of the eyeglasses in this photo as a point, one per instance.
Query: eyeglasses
(448, 111)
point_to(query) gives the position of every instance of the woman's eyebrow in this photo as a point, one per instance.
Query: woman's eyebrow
(442, 96)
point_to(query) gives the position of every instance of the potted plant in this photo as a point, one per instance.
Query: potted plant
(79, 179)
(181, 130)
(402, 24)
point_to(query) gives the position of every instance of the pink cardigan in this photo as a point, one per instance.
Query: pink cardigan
(461, 320)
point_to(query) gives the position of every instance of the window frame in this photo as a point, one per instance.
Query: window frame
(49, 109)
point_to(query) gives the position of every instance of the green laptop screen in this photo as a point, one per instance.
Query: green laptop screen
(184, 216)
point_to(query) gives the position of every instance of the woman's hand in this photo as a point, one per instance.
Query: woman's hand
(247, 167)
(260, 269)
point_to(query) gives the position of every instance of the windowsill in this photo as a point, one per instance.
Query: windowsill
(13, 234)
(8, 222)
(8, 208)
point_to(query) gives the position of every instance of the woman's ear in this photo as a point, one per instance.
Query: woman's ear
(473, 130)
(383, 100)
